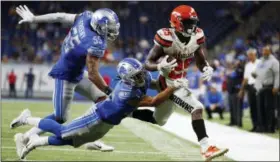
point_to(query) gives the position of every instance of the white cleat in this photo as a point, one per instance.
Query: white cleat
(20, 120)
(20, 144)
(98, 145)
(33, 142)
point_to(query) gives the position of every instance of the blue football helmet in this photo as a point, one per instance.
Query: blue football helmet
(131, 71)
(106, 22)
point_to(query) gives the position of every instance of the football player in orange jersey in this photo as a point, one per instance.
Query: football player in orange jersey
(183, 42)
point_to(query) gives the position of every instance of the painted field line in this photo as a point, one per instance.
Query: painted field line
(84, 150)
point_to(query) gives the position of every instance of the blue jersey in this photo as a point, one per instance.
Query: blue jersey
(116, 107)
(80, 41)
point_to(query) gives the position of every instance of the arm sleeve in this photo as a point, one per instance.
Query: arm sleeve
(97, 52)
(56, 17)
(275, 68)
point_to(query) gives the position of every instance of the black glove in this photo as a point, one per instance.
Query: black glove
(108, 90)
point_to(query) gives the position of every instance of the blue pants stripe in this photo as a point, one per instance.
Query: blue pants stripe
(79, 123)
(58, 98)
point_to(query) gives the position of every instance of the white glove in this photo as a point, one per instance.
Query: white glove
(207, 73)
(181, 83)
(25, 14)
(165, 67)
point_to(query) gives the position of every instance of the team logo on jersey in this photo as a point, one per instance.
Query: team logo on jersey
(123, 94)
(181, 103)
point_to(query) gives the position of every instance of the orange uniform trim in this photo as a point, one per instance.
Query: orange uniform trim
(162, 42)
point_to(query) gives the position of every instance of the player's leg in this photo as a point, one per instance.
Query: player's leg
(36, 141)
(62, 97)
(86, 88)
(184, 99)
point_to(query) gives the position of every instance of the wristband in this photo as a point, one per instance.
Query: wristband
(108, 90)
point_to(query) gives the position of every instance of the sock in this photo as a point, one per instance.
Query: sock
(34, 121)
(204, 144)
(57, 141)
(52, 126)
(36, 130)
(30, 132)
(43, 141)
(144, 115)
(199, 128)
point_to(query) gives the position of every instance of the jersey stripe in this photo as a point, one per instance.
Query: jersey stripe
(201, 40)
(162, 42)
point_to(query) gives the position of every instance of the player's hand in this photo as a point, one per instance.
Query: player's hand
(207, 73)
(165, 67)
(25, 14)
(181, 83)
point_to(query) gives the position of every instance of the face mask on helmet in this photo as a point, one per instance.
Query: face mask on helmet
(139, 79)
(189, 27)
(113, 32)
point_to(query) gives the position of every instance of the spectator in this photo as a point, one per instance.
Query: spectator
(248, 84)
(267, 85)
(214, 102)
(12, 83)
(29, 77)
(234, 81)
(194, 81)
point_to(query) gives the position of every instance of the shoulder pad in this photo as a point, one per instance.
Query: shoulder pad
(163, 37)
(200, 38)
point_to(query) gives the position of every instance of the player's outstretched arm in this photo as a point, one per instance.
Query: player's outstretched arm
(94, 76)
(28, 16)
(158, 99)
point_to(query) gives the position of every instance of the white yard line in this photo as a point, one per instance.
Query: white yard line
(243, 145)
(84, 150)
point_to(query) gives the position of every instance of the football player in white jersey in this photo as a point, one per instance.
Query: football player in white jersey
(183, 42)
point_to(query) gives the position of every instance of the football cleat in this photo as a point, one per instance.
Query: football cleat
(213, 152)
(33, 142)
(20, 144)
(20, 120)
(98, 145)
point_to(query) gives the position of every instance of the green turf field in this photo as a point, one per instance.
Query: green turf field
(133, 140)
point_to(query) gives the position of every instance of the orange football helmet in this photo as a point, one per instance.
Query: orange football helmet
(184, 19)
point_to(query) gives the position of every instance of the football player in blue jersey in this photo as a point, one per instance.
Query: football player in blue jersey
(83, 46)
(129, 93)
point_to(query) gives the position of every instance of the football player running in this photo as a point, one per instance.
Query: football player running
(128, 95)
(183, 42)
(83, 46)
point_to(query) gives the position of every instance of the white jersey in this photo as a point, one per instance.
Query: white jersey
(184, 53)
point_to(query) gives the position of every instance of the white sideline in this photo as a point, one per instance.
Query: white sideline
(243, 145)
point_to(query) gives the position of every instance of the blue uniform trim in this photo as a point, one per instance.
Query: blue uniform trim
(79, 123)
(58, 99)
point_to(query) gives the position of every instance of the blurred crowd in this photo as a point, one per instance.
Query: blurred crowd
(40, 43)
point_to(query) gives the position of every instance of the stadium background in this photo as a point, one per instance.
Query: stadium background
(230, 29)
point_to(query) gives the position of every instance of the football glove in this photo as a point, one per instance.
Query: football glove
(207, 73)
(165, 67)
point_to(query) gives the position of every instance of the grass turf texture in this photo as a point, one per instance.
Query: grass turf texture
(128, 145)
